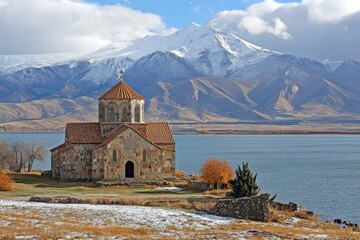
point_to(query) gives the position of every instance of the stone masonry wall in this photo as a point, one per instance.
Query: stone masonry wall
(291, 206)
(77, 163)
(56, 158)
(250, 208)
(149, 161)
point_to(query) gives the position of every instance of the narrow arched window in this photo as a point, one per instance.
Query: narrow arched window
(114, 156)
(112, 114)
(137, 113)
(101, 112)
(124, 114)
(144, 156)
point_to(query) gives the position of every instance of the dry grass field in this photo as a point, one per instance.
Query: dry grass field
(170, 219)
(33, 184)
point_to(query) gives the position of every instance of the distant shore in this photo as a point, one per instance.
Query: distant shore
(225, 128)
(225, 132)
(270, 128)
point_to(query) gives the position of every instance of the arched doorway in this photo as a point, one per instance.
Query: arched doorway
(129, 169)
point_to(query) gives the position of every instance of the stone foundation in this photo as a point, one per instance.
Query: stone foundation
(291, 206)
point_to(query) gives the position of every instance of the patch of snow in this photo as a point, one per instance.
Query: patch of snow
(292, 220)
(314, 236)
(175, 189)
(332, 65)
(180, 52)
(25, 237)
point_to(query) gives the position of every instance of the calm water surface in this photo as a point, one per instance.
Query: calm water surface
(320, 172)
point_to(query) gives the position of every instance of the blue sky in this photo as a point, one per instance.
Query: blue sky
(178, 13)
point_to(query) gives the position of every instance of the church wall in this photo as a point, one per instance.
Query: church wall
(169, 164)
(130, 146)
(77, 163)
(98, 164)
(56, 158)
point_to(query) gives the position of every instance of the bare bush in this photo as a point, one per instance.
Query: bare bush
(18, 153)
(18, 156)
(5, 156)
(34, 152)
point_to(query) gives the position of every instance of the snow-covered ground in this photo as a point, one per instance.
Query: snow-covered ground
(131, 216)
(85, 221)
(33, 220)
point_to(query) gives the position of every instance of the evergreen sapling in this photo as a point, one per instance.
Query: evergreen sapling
(244, 184)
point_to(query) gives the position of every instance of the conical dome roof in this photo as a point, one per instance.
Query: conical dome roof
(121, 91)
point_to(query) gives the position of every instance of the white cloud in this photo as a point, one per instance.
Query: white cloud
(315, 28)
(44, 26)
(330, 10)
(256, 19)
(255, 25)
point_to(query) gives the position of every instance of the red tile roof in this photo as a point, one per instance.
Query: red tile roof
(121, 91)
(157, 133)
(61, 147)
(85, 133)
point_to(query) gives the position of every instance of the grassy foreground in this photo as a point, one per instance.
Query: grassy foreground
(29, 223)
(33, 184)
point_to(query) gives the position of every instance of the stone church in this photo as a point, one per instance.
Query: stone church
(120, 146)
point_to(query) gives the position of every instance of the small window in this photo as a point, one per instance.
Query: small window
(114, 156)
(137, 113)
(101, 112)
(144, 155)
(112, 114)
(124, 115)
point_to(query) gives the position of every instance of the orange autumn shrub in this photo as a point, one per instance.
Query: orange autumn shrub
(180, 173)
(5, 181)
(217, 172)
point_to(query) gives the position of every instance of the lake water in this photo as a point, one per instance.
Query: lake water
(320, 172)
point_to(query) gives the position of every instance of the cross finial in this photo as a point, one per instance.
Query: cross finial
(121, 75)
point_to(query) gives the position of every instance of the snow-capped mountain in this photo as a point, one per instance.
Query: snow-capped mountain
(189, 42)
(194, 74)
(13, 63)
(209, 51)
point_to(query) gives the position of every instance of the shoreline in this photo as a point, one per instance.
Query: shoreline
(224, 132)
(225, 128)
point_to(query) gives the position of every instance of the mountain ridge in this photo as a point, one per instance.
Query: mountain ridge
(196, 74)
